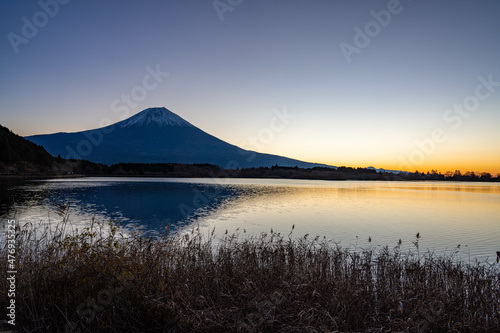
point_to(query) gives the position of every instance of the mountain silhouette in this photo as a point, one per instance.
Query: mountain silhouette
(156, 135)
(16, 149)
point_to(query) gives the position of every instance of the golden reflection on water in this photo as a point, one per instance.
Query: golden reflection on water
(445, 214)
(349, 212)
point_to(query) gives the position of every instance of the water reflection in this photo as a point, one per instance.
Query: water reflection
(445, 214)
(150, 205)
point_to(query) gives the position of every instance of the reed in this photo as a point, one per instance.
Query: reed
(99, 279)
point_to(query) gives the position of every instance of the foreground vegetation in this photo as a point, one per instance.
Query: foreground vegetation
(100, 280)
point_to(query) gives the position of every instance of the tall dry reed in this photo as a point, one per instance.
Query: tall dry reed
(98, 279)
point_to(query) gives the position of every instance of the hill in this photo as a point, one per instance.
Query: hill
(18, 155)
(16, 149)
(156, 135)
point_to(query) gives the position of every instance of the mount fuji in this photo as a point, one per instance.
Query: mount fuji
(156, 135)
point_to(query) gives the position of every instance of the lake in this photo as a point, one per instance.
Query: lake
(446, 214)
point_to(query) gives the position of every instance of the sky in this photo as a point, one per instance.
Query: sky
(403, 85)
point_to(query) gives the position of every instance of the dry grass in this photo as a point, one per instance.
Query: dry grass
(98, 280)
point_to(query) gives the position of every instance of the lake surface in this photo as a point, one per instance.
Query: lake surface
(446, 214)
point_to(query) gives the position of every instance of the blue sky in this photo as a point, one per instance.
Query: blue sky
(230, 77)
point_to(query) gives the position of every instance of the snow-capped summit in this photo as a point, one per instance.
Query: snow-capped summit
(385, 170)
(159, 116)
(156, 135)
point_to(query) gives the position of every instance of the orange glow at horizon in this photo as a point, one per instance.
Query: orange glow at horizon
(463, 164)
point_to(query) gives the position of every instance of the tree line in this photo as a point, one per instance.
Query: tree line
(19, 156)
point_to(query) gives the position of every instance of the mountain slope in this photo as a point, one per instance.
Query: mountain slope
(15, 149)
(156, 135)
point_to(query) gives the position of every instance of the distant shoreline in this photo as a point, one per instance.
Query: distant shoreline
(16, 178)
(37, 177)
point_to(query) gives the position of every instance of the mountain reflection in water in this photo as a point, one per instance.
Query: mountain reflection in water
(446, 214)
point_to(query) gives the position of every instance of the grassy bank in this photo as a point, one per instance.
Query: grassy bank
(98, 280)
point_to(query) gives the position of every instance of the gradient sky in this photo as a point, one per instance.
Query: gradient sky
(395, 105)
